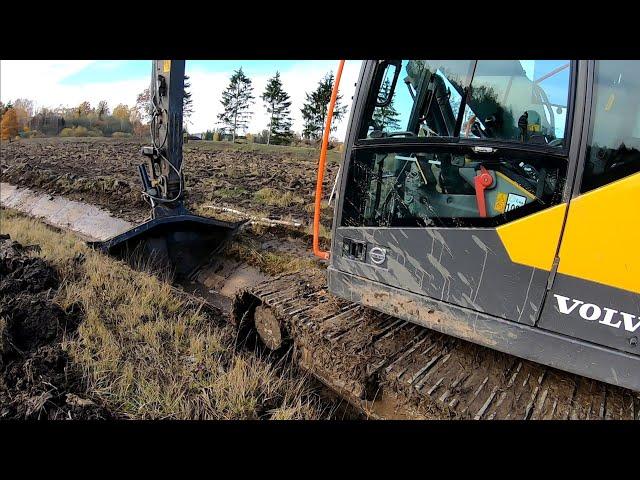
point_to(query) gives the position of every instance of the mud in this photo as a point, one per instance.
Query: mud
(104, 172)
(37, 378)
(391, 368)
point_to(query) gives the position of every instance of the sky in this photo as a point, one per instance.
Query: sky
(50, 83)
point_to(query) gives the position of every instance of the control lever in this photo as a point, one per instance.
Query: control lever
(481, 182)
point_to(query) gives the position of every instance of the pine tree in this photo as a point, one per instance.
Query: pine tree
(187, 102)
(9, 125)
(236, 100)
(314, 110)
(278, 103)
(386, 118)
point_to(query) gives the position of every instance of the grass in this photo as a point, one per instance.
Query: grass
(273, 197)
(270, 262)
(147, 352)
(323, 232)
(227, 193)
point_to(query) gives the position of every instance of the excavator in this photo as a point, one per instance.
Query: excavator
(483, 261)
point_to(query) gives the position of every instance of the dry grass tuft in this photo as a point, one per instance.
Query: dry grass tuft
(149, 354)
(273, 197)
(271, 263)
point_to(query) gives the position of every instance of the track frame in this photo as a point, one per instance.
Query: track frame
(531, 343)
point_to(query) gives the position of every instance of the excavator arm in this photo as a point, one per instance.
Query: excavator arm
(165, 187)
(172, 238)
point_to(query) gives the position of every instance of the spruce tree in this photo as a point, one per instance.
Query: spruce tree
(315, 109)
(278, 103)
(386, 118)
(237, 100)
(187, 102)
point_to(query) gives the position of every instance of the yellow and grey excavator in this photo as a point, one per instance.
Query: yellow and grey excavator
(483, 255)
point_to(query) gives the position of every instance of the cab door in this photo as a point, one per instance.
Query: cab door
(451, 192)
(595, 294)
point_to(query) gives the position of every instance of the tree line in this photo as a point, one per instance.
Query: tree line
(20, 117)
(237, 100)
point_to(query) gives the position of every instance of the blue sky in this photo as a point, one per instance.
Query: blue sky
(69, 82)
(116, 70)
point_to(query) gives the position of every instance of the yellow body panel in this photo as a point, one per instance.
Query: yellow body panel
(601, 241)
(533, 240)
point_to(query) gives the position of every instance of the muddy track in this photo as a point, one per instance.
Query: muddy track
(37, 378)
(104, 172)
(391, 368)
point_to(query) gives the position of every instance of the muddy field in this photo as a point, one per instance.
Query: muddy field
(77, 342)
(402, 367)
(267, 181)
(37, 379)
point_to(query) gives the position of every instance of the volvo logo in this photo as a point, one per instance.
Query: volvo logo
(378, 255)
(592, 312)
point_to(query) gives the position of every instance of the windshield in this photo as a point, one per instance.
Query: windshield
(509, 100)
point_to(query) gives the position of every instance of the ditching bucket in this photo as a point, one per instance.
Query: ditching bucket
(181, 243)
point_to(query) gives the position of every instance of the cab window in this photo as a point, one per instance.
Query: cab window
(521, 101)
(448, 187)
(613, 150)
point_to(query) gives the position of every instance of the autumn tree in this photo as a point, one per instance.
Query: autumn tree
(277, 102)
(236, 101)
(3, 108)
(143, 106)
(315, 109)
(83, 110)
(9, 125)
(24, 111)
(103, 109)
(122, 113)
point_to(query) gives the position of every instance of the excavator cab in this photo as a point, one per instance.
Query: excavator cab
(499, 193)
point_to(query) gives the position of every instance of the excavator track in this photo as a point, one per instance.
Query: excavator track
(390, 368)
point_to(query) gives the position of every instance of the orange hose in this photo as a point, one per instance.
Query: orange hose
(323, 158)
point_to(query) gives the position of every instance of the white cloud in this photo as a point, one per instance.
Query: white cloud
(41, 82)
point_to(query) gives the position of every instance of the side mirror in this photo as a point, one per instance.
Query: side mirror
(391, 72)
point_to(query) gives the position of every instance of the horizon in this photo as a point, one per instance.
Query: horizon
(70, 82)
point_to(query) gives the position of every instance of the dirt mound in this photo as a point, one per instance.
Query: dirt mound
(37, 378)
